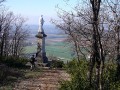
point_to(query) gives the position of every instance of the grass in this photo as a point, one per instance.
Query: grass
(16, 75)
(30, 49)
(33, 74)
(59, 50)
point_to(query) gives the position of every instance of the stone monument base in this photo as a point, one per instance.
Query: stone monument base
(44, 57)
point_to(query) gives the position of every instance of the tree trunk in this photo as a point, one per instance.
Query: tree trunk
(118, 53)
(96, 49)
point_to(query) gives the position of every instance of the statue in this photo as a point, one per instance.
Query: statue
(41, 22)
(41, 54)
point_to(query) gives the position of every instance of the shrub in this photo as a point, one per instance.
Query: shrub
(57, 64)
(80, 81)
(78, 72)
(14, 61)
(111, 82)
(3, 72)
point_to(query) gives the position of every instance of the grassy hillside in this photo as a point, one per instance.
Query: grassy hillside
(30, 49)
(58, 49)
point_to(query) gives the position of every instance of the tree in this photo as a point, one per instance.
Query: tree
(6, 19)
(97, 49)
(93, 29)
(77, 29)
(114, 7)
(13, 33)
(19, 35)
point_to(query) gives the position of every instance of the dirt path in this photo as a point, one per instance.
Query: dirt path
(49, 80)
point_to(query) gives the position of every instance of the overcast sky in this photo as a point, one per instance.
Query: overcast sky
(33, 9)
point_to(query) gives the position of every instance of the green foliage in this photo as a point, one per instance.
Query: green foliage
(3, 72)
(80, 81)
(66, 85)
(9, 76)
(110, 81)
(78, 72)
(13, 61)
(57, 64)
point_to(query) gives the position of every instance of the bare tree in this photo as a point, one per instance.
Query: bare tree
(19, 35)
(114, 7)
(77, 29)
(92, 29)
(6, 19)
(13, 33)
(97, 47)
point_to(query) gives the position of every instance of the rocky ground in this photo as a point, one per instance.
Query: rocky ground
(48, 80)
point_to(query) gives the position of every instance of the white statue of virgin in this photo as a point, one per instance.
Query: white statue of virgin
(41, 22)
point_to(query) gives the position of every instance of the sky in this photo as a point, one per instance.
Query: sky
(33, 9)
